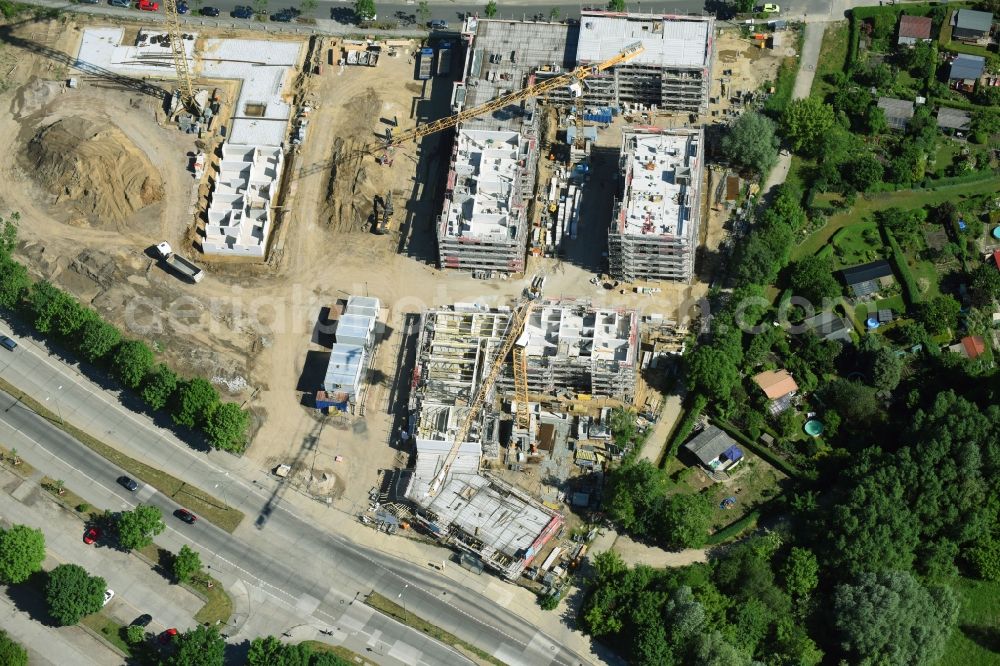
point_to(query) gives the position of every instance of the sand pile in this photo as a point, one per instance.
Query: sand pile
(94, 168)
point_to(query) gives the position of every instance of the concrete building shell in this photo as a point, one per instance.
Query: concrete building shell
(654, 229)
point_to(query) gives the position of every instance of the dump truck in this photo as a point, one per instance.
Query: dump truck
(426, 63)
(182, 266)
(444, 60)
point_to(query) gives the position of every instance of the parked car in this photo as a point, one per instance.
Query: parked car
(91, 535)
(149, 6)
(285, 15)
(437, 24)
(167, 636)
(186, 516)
(142, 621)
(108, 596)
(121, 3)
(128, 482)
(209, 11)
(7, 343)
(89, 2)
(771, 8)
(182, 8)
(242, 12)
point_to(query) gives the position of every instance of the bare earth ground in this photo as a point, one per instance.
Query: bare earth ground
(252, 328)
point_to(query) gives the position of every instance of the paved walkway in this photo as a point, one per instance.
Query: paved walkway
(803, 84)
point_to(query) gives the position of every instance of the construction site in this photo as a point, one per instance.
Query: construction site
(337, 206)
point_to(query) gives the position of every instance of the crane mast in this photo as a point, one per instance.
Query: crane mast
(177, 51)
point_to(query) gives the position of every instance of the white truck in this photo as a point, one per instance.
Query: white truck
(183, 266)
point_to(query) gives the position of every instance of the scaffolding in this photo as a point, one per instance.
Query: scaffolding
(654, 230)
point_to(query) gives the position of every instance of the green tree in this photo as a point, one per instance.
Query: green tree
(131, 362)
(801, 572)
(812, 278)
(71, 317)
(712, 372)
(554, 16)
(226, 427)
(856, 402)
(549, 601)
(864, 172)
(743, 6)
(424, 11)
(14, 283)
(805, 121)
(11, 652)
(886, 369)
(750, 143)
(197, 399)
(889, 619)
(159, 386)
(491, 9)
(364, 10)
(201, 646)
(684, 521)
(985, 558)
(135, 635)
(714, 650)
(186, 563)
(327, 659)
(22, 550)
(307, 6)
(265, 651)
(45, 301)
(616, 5)
(876, 122)
(137, 528)
(98, 338)
(985, 284)
(634, 493)
(939, 315)
(622, 426)
(8, 235)
(71, 593)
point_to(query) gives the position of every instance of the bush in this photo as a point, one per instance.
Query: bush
(83, 507)
(911, 289)
(134, 635)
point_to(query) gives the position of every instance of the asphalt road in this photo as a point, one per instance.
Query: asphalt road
(300, 565)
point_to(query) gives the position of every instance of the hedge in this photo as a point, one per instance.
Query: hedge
(683, 429)
(910, 287)
(733, 529)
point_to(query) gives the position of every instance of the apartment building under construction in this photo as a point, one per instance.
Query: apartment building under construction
(569, 346)
(654, 229)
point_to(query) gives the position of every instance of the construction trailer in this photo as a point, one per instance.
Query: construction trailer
(356, 335)
(654, 229)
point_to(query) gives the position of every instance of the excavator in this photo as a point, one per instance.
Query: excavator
(382, 223)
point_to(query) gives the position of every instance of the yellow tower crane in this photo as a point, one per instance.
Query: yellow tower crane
(177, 51)
(568, 79)
(519, 315)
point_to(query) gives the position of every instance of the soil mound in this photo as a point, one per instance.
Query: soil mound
(94, 168)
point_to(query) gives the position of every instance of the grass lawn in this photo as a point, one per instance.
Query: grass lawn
(927, 276)
(338, 650)
(108, 629)
(857, 244)
(22, 469)
(832, 57)
(392, 609)
(200, 502)
(976, 639)
(756, 484)
(905, 199)
(218, 606)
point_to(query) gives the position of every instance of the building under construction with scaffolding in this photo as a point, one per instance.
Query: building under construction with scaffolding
(569, 346)
(654, 229)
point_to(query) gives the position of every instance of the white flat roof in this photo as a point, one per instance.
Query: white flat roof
(103, 48)
(662, 173)
(265, 68)
(343, 373)
(239, 213)
(484, 199)
(670, 41)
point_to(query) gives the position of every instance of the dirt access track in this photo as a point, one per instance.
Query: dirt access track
(251, 328)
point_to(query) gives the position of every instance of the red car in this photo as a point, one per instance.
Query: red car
(149, 6)
(186, 516)
(167, 636)
(92, 535)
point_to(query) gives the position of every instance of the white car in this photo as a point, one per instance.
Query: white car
(108, 596)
